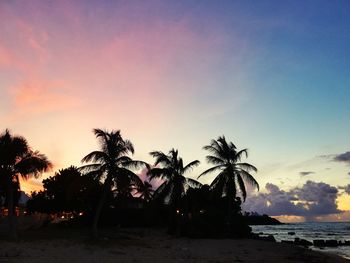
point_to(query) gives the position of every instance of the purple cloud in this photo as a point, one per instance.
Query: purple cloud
(343, 157)
(311, 200)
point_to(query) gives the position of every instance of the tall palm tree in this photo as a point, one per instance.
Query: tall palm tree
(17, 159)
(232, 173)
(111, 164)
(175, 184)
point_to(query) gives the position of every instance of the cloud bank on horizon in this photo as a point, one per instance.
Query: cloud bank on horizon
(312, 201)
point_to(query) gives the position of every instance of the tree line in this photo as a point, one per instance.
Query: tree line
(108, 179)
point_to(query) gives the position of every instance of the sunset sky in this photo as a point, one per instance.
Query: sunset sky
(272, 76)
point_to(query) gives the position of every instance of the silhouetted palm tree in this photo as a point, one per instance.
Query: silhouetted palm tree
(18, 159)
(172, 172)
(232, 173)
(111, 164)
(175, 184)
(146, 191)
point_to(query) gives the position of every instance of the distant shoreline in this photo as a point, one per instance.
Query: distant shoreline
(332, 237)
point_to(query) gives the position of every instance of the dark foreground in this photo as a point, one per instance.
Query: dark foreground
(148, 245)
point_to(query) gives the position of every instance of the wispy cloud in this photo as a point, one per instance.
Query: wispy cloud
(35, 96)
(34, 39)
(306, 173)
(8, 59)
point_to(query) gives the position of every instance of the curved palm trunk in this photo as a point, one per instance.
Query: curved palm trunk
(106, 188)
(171, 219)
(229, 215)
(174, 217)
(231, 195)
(13, 235)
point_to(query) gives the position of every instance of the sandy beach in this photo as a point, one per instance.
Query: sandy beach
(149, 245)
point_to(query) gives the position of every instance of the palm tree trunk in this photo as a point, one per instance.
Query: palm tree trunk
(229, 215)
(13, 235)
(106, 188)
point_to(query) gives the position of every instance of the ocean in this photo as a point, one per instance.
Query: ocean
(311, 230)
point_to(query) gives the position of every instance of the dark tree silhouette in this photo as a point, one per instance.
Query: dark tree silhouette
(67, 191)
(17, 159)
(232, 173)
(111, 164)
(175, 184)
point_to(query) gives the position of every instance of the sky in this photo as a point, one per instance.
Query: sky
(272, 76)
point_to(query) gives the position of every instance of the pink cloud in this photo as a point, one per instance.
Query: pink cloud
(9, 60)
(35, 96)
(6, 58)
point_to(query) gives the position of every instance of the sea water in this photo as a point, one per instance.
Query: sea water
(310, 231)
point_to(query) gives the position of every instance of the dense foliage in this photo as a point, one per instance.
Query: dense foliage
(67, 191)
(106, 188)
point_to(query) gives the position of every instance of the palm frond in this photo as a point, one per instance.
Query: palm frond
(12, 148)
(163, 192)
(211, 170)
(214, 160)
(129, 146)
(96, 174)
(190, 166)
(161, 158)
(239, 155)
(193, 183)
(249, 178)
(96, 156)
(162, 173)
(214, 150)
(123, 159)
(32, 164)
(135, 164)
(91, 167)
(247, 167)
(242, 187)
(132, 177)
(217, 186)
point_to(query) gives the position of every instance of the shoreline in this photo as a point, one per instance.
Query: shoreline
(326, 237)
(153, 245)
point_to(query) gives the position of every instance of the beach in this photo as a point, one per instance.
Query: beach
(150, 245)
